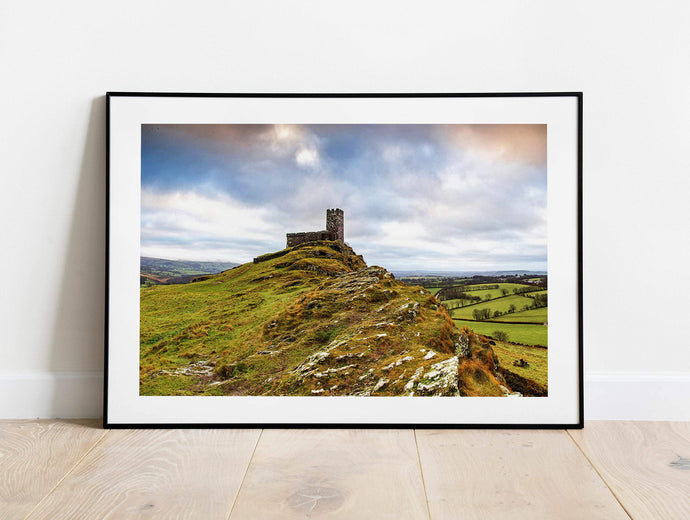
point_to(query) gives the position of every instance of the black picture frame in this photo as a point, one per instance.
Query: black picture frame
(111, 322)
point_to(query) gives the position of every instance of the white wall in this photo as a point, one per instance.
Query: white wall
(57, 59)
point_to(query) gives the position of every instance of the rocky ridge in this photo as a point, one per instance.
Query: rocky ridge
(331, 325)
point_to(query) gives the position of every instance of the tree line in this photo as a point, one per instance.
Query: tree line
(460, 292)
(538, 301)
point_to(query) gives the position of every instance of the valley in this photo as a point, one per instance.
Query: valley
(159, 271)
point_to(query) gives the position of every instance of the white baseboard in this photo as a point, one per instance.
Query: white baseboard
(47, 395)
(637, 397)
(608, 396)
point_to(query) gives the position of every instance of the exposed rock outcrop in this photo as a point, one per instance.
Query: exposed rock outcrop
(314, 319)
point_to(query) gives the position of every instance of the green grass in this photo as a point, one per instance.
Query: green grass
(532, 315)
(214, 319)
(433, 290)
(537, 358)
(501, 304)
(518, 332)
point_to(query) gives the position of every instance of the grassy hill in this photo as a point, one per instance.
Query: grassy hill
(308, 320)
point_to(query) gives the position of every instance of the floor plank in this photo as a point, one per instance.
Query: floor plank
(515, 474)
(171, 474)
(348, 474)
(646, 465)
(35, 455)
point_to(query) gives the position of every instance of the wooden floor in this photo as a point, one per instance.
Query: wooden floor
(610, 470)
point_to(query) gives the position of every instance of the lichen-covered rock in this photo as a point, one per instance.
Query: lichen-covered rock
(441, 380)
(199, 368)
(409, 387)
(408, 311)
(462, 346)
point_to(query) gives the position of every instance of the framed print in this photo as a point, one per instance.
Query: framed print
(331, 260)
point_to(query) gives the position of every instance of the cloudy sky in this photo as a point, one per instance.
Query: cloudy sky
(415, 197)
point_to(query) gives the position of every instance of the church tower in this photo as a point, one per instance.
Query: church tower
(335, 224)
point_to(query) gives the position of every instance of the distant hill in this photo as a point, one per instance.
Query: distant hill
(467, 274)
(311, 320)
(159, 271)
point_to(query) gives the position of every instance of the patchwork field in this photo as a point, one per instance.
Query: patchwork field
(521, 317)
(501, 304)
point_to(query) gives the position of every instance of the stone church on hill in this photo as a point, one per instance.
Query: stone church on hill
(334, 230)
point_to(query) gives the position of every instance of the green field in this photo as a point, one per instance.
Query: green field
(519, 332)
(530, 316)
(537, 358)
(491, 293)
(501, 304)
(433, 290)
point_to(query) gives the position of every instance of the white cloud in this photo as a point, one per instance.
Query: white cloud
(221, 227)
(464, 201)
(308, 157)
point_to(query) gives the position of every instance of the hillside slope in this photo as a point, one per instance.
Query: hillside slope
(308, 320)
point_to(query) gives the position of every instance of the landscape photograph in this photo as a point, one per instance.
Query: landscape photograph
(367, 260)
